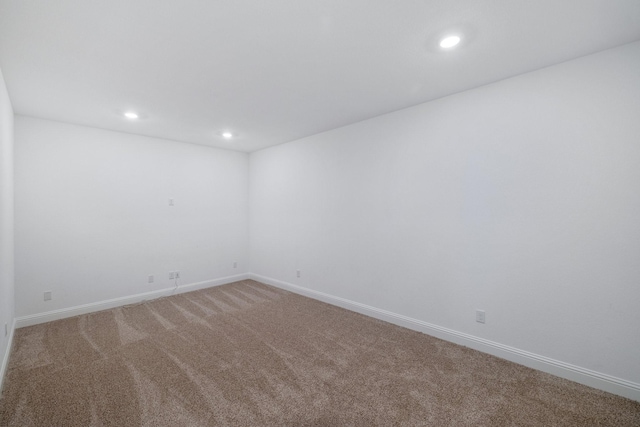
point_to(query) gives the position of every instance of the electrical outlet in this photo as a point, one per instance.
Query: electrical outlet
(297, 273)
(171, 202)
(150, 279)
(177, 274)
(171, 275)
(47, 296)
(480, 316)
(235, 264)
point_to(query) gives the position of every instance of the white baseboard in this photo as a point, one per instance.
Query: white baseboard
(5, 356)
(48, 316)
(558, 368)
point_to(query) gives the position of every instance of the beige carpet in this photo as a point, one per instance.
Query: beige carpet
(247, 354)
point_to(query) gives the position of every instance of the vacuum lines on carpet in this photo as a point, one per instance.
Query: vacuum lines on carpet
(247, 354)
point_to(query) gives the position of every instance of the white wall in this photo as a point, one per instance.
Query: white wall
(6, 225)
(521, 198)
(93, 218)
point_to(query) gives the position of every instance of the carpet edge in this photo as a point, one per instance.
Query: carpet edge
(5, 357)
(34, 319)
(598, 380)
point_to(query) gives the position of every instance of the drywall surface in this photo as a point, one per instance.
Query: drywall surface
(520, 198)
(6, 226)
(93, 218)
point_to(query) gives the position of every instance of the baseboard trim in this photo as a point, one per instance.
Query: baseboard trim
(62, 313)
(5, 357)
(611, 384)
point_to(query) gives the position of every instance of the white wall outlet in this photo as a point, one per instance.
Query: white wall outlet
(480, 316)
(171, 275)
(177, 274)
(150, 279)
(297, 273)
(47, 296)
(171, 202)
(235, 264)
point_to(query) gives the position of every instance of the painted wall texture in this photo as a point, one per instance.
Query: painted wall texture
(520, 198)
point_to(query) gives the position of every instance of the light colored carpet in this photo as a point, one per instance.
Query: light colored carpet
(247, 354)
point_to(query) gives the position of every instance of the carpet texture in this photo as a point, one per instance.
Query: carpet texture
(247, 354)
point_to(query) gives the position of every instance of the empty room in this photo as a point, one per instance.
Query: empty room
(320, 213)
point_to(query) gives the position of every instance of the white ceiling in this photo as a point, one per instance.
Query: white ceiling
(278, 70)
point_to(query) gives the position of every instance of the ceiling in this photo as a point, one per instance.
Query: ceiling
(279, 70)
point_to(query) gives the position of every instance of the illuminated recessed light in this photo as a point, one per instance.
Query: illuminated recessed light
(227, 135)
(449, 42)
(131, 115)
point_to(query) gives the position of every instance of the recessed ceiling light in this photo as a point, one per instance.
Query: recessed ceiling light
(131, 115)
(449, 42)
(227, 135)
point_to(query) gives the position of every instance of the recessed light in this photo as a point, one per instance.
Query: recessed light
(449, 42)
(227, 135)
(131, 115)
